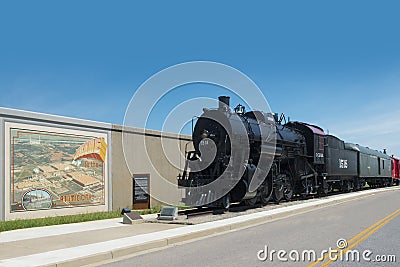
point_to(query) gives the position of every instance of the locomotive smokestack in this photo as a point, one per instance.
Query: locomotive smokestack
(223, 103)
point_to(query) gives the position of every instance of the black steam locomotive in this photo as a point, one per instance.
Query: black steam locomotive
(283, 159)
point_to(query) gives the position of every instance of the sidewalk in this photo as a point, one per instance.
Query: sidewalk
(93, 242)
(31, 241)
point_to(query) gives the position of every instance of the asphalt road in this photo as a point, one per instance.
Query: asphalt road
(317, 230)
(377, 250)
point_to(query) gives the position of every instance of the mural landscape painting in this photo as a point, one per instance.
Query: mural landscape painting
(54, 170)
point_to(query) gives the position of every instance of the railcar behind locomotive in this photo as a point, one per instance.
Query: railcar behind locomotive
(301, 159)
(395, 170)
(374, 167)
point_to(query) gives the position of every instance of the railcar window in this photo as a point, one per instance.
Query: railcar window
(379, 166)
(321, 143)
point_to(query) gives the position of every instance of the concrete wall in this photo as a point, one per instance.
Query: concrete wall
(2, 171)
(159, 155)
(146, 154)
(17, 120)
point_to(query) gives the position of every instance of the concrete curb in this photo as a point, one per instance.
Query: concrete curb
(138, 248)
(114, 249)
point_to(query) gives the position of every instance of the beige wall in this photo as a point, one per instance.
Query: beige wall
(18, 177)
(147, 153)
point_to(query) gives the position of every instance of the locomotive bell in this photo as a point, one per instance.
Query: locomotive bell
(239, 109)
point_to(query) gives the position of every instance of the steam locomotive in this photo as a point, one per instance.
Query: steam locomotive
(283, 159)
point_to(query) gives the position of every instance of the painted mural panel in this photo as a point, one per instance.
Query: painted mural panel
(56, 169)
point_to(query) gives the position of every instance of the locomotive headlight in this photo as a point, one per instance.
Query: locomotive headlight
(204, 134)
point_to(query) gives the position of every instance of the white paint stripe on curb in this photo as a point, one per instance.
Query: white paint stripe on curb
(105, 250)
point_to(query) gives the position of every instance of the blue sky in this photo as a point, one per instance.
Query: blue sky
(332, 63)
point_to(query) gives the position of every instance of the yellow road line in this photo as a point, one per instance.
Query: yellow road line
(359, 237)
(362, 238)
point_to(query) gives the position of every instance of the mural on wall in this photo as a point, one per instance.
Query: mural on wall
(56, 170)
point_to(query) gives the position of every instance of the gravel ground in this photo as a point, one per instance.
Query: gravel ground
(182, 219)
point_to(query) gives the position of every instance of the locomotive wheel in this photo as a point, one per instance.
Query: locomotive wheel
(356, 186)
(288, 191)
(251, 201)
(266, 193)
(345, 187)
(226, 201)
(360, 186)
(277, 194)
(323, 190)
